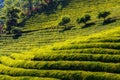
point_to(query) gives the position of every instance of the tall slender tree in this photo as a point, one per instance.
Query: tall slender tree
(30, 5)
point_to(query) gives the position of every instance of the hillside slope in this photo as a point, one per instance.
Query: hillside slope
(47, 33)
(93, 57)
(75, 9)
(91, 53)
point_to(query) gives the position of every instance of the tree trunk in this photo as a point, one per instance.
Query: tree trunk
(30, 6)
(85, 23)
(104, 19)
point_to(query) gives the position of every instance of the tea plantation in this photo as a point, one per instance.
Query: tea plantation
(47, 53)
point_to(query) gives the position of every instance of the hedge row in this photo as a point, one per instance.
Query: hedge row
(6, 77)
(68, 57)
(115, 40)
(60, 74)
(88, 45)
(90, 51)
(63, 65)
(77, 57)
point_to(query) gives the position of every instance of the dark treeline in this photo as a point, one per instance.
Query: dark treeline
(16, 12)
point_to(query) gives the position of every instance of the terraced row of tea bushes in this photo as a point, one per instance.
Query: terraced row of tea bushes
(114, 39)
(67, 64)
(90, 50)
(89, 45)
(6, 77)
(60, 74)
(63, 65)
(68, 57)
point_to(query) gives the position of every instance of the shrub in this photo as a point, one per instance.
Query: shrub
(104, 15)
(65, 20)
(17, 33)
(84, 19)
(68, 27)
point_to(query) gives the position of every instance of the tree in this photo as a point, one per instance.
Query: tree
(84, 19)
(103, 15)
(65, 20)
(30, 6)
(11, 18)
(17, 33)
(48, 1)
(1, 26)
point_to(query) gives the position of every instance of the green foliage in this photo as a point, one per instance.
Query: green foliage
(65, 20)
(75, 57)
(11, 18)
(89, 57)
(16, 30)
(84, 19)
(6, 77)
(104, 14)
(60, 74)
(2, 22)
(17, 33)
(62, 65)
(90, 45)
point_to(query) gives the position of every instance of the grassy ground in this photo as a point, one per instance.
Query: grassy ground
(78, 54)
